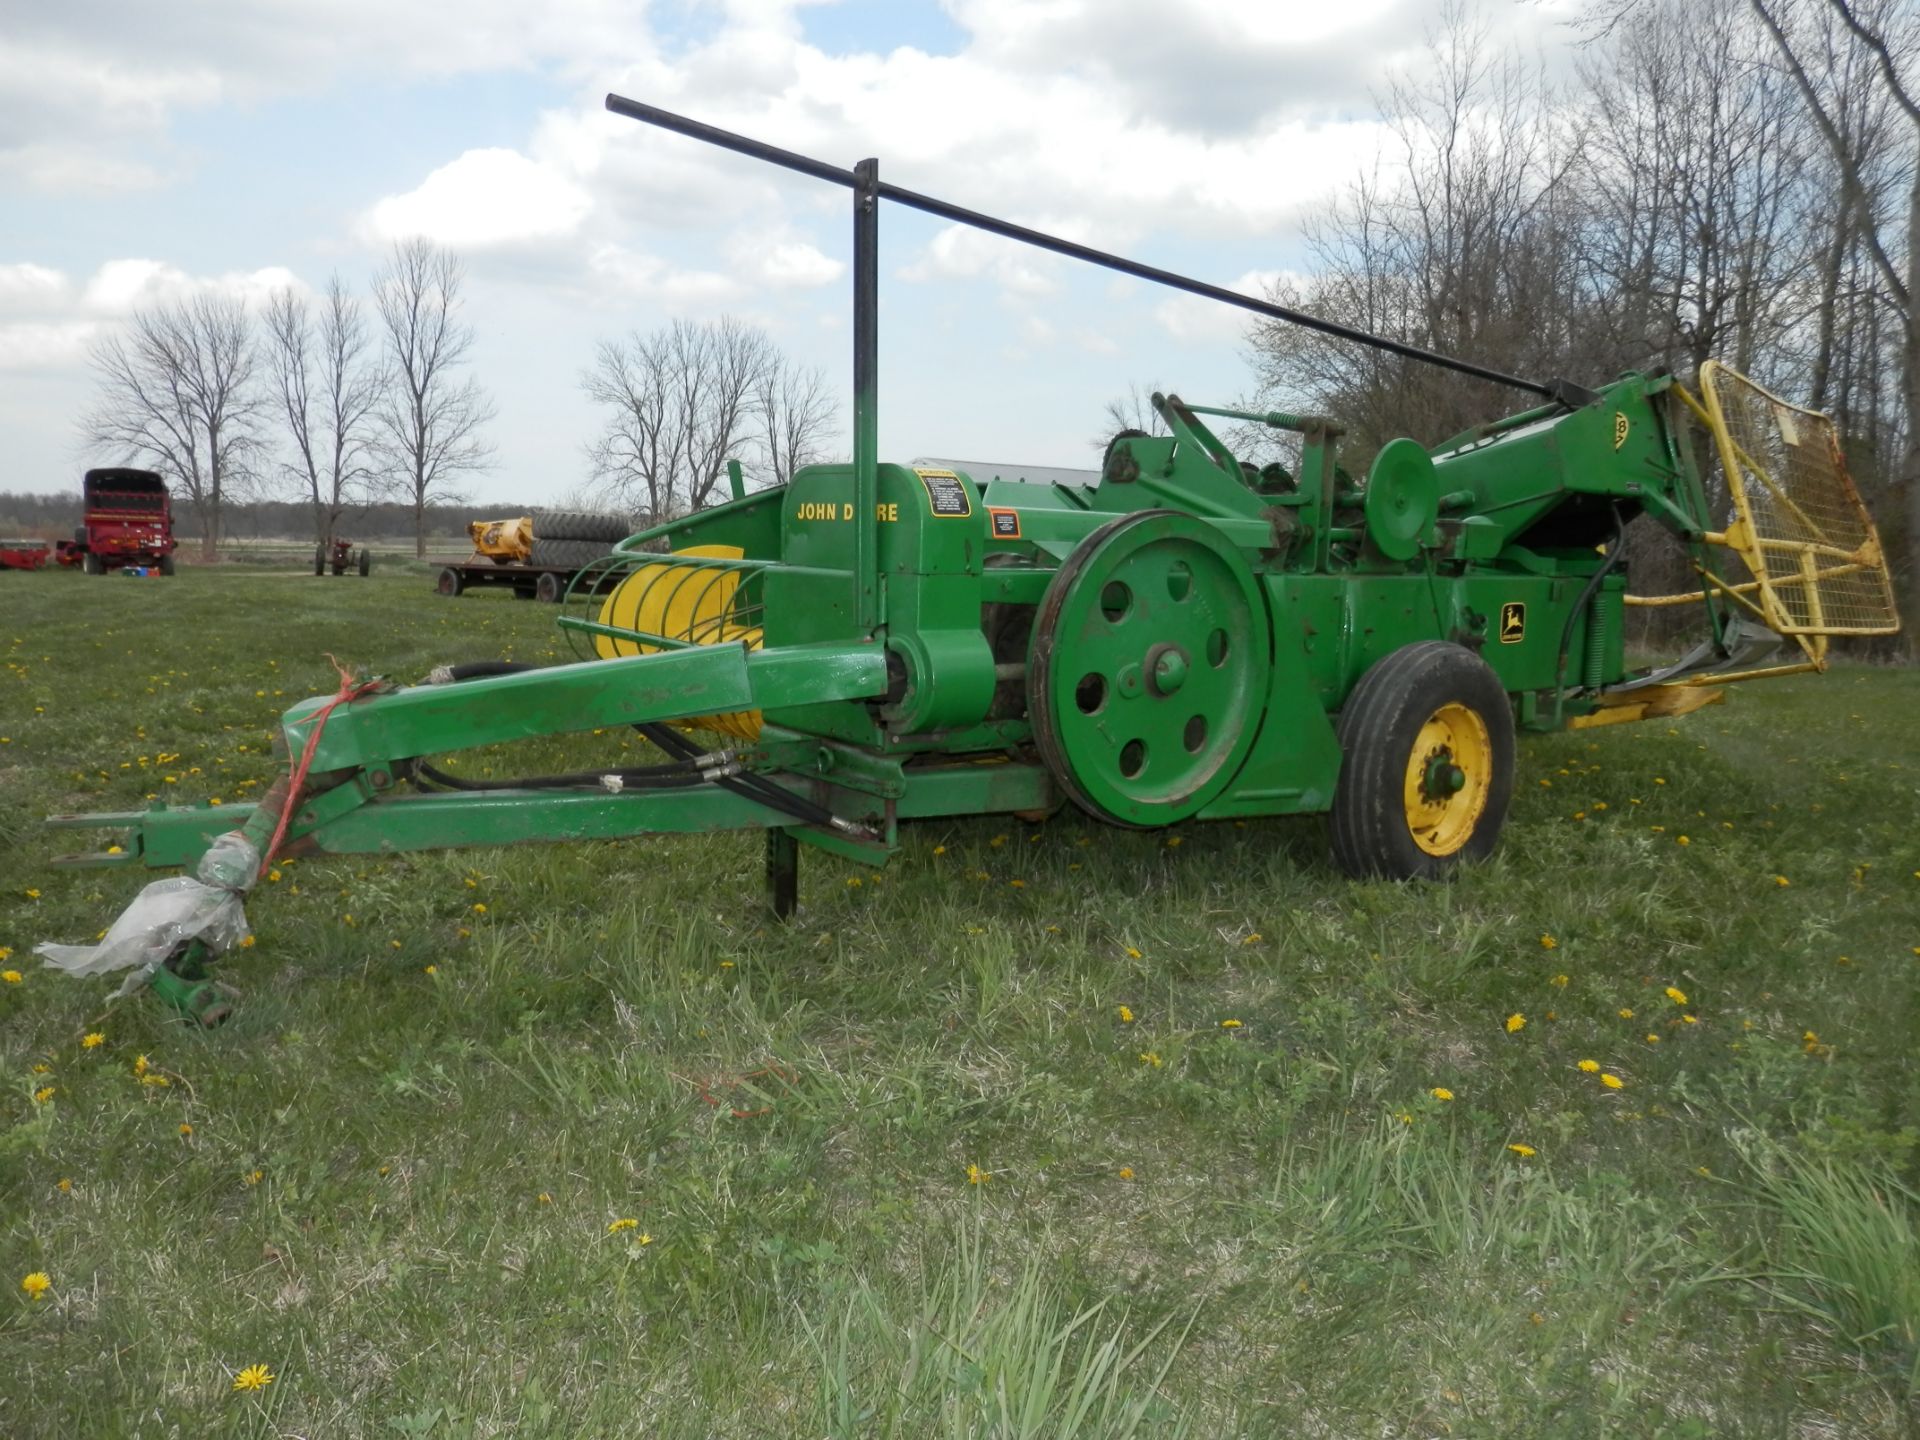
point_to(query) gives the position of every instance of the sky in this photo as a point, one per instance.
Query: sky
(147, 152)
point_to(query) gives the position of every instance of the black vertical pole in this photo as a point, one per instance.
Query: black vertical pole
(866, 383)
(783, 872)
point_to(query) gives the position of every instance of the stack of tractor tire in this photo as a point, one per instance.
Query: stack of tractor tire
(570, 539)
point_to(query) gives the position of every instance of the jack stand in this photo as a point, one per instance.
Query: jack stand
(182, 983)
(783, 873)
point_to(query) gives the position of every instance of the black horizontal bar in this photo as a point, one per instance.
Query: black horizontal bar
(959, 214)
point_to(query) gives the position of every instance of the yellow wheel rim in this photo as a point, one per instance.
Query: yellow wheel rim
(1449, 776)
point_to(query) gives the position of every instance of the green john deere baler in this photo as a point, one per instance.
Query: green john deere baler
(1188, 637)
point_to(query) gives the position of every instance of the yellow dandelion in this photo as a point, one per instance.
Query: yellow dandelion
(1253, 939)
(64, 1185)
(479, 907)
(1229, 1024)
(1151, 1057)
(247, 942)
(430, 970)
(1589, 1067)
(1652, 1039)
(1612, 1082)
(139, 1064)
(977, 1176)
(44, 1094)
(544, 1198)
(158, 1081)
(1440, 1092)
(254, 1377)
(1516, 1022)
(1677, 996)
(1691, 1019)
(643, 1238)
(33, 894)
(92, 1040)
(1126, 1172)
(12, 977)
(1547, 942)
(625, 1222)
(36, 1284)
(1126, 1016)
(1682, 840)
(1626, 1012)
(1561, 981)
(1174, 842)
(939, 849)
(1523, 1151)
(253, 1177)
(853, 883)
(185, 1129)
(1782, 881)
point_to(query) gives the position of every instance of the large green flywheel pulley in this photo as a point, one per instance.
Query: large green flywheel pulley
(1149, 667)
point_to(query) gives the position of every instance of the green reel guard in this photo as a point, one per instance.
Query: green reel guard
(1403, 499)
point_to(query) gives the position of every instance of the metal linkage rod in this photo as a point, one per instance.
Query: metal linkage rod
(959, 214)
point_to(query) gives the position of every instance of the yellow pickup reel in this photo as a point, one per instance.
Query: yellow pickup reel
(1799, 528)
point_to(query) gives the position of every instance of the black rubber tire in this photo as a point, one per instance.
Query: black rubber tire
(366, 562)
(1378, 727)
(550, 588)
(449, 582)
(580, 525)
(166, 564)
(92, 564)
(565, 554)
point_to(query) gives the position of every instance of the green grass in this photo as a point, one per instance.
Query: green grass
(399, 1183)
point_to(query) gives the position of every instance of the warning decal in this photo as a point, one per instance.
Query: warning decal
(947, 493)
(1006, 523)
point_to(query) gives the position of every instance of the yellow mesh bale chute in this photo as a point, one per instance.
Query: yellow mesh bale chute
(503, 541)
(1799, 523)
(688, 602)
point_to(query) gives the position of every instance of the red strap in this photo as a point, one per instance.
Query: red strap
(350, 690)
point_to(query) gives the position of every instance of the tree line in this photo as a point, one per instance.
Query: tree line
(354, 411)
(1716, 178)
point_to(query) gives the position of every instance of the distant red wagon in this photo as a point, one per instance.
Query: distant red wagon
(24, 554)
(129, 523)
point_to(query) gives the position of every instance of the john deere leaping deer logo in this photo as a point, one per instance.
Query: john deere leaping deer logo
(1620, 428)
(1513, 622)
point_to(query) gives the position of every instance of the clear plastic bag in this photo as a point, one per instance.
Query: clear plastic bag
(208, 906)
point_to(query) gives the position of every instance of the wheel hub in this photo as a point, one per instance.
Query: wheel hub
(1449, 777)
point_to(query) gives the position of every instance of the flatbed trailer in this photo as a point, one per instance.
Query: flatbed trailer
(528, 582)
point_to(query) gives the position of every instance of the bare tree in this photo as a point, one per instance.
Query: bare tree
(430, 417)
(686, 399)
(329, 387)
(794, 411)
(1131, 411)
(1891, 242)
(177, 393)
(1460, 242)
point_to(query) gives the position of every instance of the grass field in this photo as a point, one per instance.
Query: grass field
(1045, 1130)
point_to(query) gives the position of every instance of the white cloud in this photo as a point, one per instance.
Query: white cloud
(961, 252)
(27, 287)
(636, 276)
(47, 323)
(781, 260)
(484, 198)
(1194, 320)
